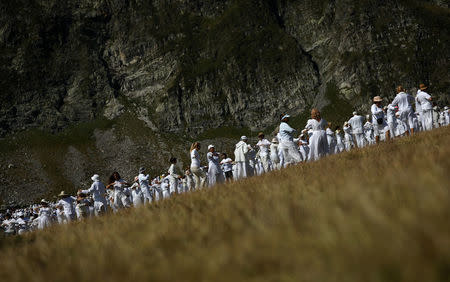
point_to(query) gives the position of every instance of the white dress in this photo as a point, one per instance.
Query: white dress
(348, 140)
(318, 142)
(215, 173)
(45, 215)
(331, 141)
(274, 156)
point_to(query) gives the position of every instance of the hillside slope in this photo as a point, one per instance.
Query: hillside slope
(378, 214)
(124, 84)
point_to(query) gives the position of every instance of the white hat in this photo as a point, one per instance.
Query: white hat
(244, 137)
(446, 108)
(43, 201)
(210, 146)
(285, 116)
(95, 177)
(275, 140)
(355, 113)
(63, 194)
(141, 169)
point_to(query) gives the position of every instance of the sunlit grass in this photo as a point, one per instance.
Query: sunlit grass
(378, 214)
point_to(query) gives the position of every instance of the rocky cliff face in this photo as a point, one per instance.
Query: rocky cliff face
(185, 68)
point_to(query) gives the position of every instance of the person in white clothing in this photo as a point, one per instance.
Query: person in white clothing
(357, 124)
(189, 180)
(368, 131)
(274, 154)
(263, 145)
(424, 100)
(215, 173)
(146, 189)
(348, 138)
(390, 111)
(331, 139)
(378, 120)
(137, 196)
(98, 192)
(67, 202)
(401, 128)
(120, 199)
(445, 117)
(45, 215)
(174, 176)
(340, 147)
(165, 188)
(227, 167)
(404, 102)
(241, 158)
(291, 153)
(197, 171)
(303, 146)
(318, 142)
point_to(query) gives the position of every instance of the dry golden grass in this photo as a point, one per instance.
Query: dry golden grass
(378, 214)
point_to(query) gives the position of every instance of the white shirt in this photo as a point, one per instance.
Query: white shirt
(377, 113)
(227, 164)
(286, 132)
(97, 191)
(241, 151)
(263, 147)
(143, 181)
(315, 125)
(173, 171)
(357, 123)
(403, 101)
(67, 204)
(195, 158)
(424, 100)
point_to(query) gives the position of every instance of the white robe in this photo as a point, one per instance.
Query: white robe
(215, 173)
(318, 142)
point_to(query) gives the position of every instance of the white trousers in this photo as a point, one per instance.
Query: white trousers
(199, 177)
(241, 170)
(427, 119)
(359, 139)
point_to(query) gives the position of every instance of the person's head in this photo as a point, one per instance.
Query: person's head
(244, 138)
(261, 136)
(95, 177)
(211, 148)
(377, 100)
(195, 145)
(423, 87)
(44, 203)
(315, 114)
(136, 179)
(400, 89)
(368, 117)
(330, 125)
(173, 160)
(284, 117)
(355, 113)
(142, 170)
(275, 140)
(114, 176)
(223, 156)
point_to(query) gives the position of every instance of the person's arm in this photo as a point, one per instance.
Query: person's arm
(90, 190)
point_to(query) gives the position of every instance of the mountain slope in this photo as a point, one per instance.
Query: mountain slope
(377, 214)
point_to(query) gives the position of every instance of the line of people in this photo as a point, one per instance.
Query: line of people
(286, 148)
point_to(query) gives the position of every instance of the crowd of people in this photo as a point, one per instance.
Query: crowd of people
(287, 147)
